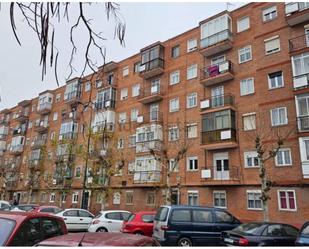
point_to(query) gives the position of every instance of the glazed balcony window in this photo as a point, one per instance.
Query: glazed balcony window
(106, 98)
(293, 7)
(300, 66)
(152, 58)
(72, 90)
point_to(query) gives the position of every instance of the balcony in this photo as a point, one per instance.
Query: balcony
(68, 136)
(41, 127)
(105, 104)
(19, 131)
(38, 143)
(44, 108)
(11, 183)
(303, 123)
(144, 177)
(219, 139)
(64, 158)
(211, 176)
(152, 117)
(296, 13)
(215, 74)
(217, 102)
(22, 117)
(34, 163)
(3, 136)
(103, 127)
(73, 97)
(152, 68)
(17, 149)
(151, 94)
(301, 81)
(146, 146)
(12, 166)
(4, 121)
(217, 43)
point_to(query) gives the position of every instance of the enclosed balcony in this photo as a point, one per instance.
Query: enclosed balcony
(151, 94)
(151, 117)
(145, 177)
(4, 130)
(303, 123)
(152, 61)
(41, 126)
(73, 92)
(68, 136)
(12, 166)
(215, 74)
(44, 108)
(19, 131)
(22, 116)
(221, 175)
(217, 102)
(16, 149)
(142, 147)
(34, 163)
(38, 143)
(106, 99)
(296, 13)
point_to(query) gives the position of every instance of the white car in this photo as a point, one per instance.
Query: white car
(4, 205)
(76, 219)
(108, 221)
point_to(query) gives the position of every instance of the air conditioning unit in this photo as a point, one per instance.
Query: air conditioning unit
(71, 115)
(142, 68)
(89, 180)
(108, 103)
(206, 173)
(204, 104)
(54, 181)
(140, 119)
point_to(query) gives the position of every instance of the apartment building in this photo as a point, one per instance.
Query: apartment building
(213, 89)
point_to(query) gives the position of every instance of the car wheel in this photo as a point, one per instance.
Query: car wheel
(101, 230)
(184, 242)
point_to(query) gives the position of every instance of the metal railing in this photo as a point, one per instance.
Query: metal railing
(221, 174)
(68, 135)
(216, 70)
(44, 106)
(39, 142)
(216, 38)
(105, 104)
(210, 137)
(303, 123)
(152, 64)
(150, 117)
(219, 101)
(151, 91)
(73, 95)
(299, 42)
(150, 176)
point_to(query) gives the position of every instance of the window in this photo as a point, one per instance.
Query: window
(129, 197)
(278, 116)
(51, 227)
(28, 234)
(120, 143)
(174, 104)
(244, 54)
(287, 200)
(283, 157)
(71, 213)
(175, 77)
(192, 72)
(87, 86)
(116, 199)
(75, 197)
(175, 51)
(58, 97)
(135, 90)
(272, 45)
(251, 159)
(249, 121)
(52, 135)
(192, 163)
(55, 116)
(122, 117)
(77, 172)
(253, 198)
(98, 83)
(124, 93)
(300, 67)
(218, 120)
(175, 196)
(191, 130)
(192, 100)
(192, 198)
(43, 197)
(131, 166)
(269, 13)
(223, 217)
(243, 24)
(246, 86)
(173, 165)
(191, 45)
(275, 80)
(137, 67)
(63, 197)
(150, 199)
(125, 71)
(132, 140)
(134, 114)
(219, 199)
(29, 125)
(173, 134)
(52, 197)
(202, 216)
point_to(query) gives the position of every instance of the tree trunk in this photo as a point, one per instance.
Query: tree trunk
(29, 196)
(168, 191)
(264, 190)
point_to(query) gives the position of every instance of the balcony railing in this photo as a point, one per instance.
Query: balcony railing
(17, 148)
(294, 7)
(296, 13)
(303, 123)
(152, 117)
(215, 71)
(301, 81)
(102, 127)
(105, 104)
(219, 174)
(146, 146)
(152, 64)
(22, 116)
(39, 142)
(44, 107)
(218, 136)
(299, 42)
(72, 96)
(151, 94)
(216, 38)
(217, 102)
(19, 131)
(68, 135)
(41, 126)
(147, 176)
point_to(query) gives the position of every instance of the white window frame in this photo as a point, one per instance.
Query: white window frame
(240, 53)
(250, 154)
(271, 39)
(58, 97)
(244, 84)
(188, 163)
(276, 81)
(286, 116)
(122, 118)
(173, 134)
(171, 165)
(219, 192)
(52, 197)
(268, 10)
(246, 25)
(124, 94)
(189, 96)
(75, 194)
(173, 75)
(134, 114)
(129, 192)
(189, 126)
(253, 192)
(136, 90)
(279, 202)
(125, 71)
(284, 159)
(87, 86)
(191, 45)
(194, 192)
(194, 72)
(176, 101)
(55, 116)
(246, 115)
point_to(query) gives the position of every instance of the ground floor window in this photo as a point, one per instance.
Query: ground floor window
(129, 197)
(75, 197)
(219, 199)
(175, 197)
(193, 198)
(287, 200)
(254, 199)
(151, 198)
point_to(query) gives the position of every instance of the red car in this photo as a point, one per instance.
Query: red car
(139, 223)
(47, 209)
(28, 228)
(99, 239)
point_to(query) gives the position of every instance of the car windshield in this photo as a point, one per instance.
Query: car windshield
(131, 217)
(26, 208)
(162, 214)
(6, 228)
(305, 231)
(249, 228)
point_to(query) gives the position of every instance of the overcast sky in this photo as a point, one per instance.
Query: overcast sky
(145, 23)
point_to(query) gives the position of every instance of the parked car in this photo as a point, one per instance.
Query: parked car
(108, 221)
(24, 207)
(303, 235)
(47, 209)
(4, 205)
(139, 223)
(28, 228)
(191, 225)
(76, 219)
(261, 234)
(99, 239)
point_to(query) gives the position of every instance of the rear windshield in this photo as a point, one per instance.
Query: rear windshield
(305, 231)
(162, 214)
(249, 228)
(6, 228)
(131, 217)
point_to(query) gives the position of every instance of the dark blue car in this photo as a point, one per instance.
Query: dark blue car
(303, 236)
(191, 225)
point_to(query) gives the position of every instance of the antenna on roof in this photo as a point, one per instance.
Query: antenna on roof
(228, 4)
